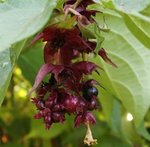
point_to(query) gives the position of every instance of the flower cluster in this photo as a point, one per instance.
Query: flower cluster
(68, 90)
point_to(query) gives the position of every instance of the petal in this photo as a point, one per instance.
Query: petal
(104, 56)
(67, 55)
(89, 118)
(78, 120)
(49, 53)
(85, 67)
(36, 38)
(76, 42)
(90, 83)
(50, 32)
(70, 103)
(86, 118)
(44, 70)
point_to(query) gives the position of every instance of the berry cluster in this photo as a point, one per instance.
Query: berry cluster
(68, 91)
(53, 107)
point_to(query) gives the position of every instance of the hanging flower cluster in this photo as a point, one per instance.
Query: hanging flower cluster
(68, 90)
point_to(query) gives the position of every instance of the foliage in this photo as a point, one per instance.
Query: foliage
(125, 28)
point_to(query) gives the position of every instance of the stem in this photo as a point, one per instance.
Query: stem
(83, 56)
(74, 11)
(76, 4)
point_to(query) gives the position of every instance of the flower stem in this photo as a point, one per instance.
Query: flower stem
(83, 56)
(76, 4)
(74, 11)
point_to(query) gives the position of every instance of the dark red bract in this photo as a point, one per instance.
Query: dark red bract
(104, 56)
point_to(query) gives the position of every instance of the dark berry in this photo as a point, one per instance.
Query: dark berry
(70, 103)
(56, 108)
(58, 117)
(81, 107)
(46, 111)
(47, 119)
(88, 92)
(92, 104)
(40, 104)
(48, 104)
(38, 115)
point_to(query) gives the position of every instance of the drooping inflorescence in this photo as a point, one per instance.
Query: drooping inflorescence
(68, 90)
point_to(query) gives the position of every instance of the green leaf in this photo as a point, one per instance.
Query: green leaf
(7, 63)
(146, 11)
(135, 18)
(112, 109)
(18, 20)
(130, 130)
(68, 23)
(21, 19)
(130, 82)
(60, 4)
(92, 31)
(30, 65)
(129, 6)
(139, 26)
(142, 131)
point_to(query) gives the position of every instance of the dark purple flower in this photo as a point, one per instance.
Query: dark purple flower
(87, 117)
(85, 67)
(63, 43)
(44, 70)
